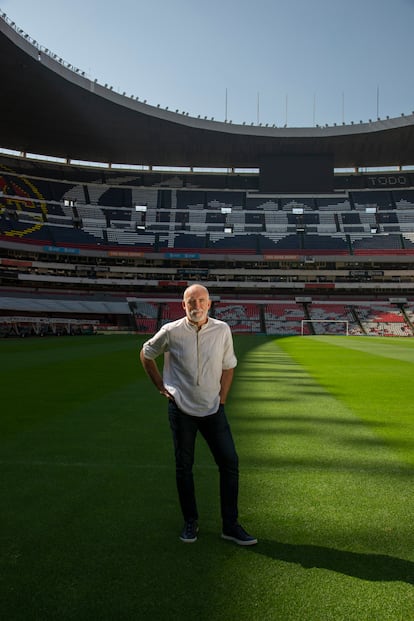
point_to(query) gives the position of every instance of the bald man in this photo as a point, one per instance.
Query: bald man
(198, 369)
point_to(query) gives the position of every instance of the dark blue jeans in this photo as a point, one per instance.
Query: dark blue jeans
(216, 431)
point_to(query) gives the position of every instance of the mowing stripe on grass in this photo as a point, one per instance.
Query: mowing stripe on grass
(372, 377)
(334, 507)
(275, 397)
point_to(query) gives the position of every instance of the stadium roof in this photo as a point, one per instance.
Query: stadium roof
(50, 108)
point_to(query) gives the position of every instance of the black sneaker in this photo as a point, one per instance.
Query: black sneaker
(189, 532)
(237, 534)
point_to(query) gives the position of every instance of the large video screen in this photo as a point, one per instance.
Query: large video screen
(297, 173)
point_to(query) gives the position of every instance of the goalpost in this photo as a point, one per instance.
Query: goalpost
(344, 322)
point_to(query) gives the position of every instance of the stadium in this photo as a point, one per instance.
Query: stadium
(110, 207)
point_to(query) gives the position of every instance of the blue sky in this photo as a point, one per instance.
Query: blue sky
(300, 62)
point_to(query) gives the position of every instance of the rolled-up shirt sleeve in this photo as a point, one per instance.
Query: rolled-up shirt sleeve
(156, 345)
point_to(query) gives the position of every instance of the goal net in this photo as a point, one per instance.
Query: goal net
(324, 326)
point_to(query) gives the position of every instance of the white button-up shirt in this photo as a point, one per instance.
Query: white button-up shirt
(194, 359)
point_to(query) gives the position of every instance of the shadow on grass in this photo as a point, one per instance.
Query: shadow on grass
(372, 567)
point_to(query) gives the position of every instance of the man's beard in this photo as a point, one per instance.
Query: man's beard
(198, 315)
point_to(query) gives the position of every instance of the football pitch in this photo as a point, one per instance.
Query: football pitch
(89, 519)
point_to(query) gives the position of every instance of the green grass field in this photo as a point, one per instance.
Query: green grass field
(324, 428)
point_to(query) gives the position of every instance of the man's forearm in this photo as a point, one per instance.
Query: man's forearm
(151, 369)
(225, 384)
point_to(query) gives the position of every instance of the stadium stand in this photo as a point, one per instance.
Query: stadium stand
(284, 318)
(409, 314)
(117, 247)
(382, 320)
(241, 317)
(333, 318)
(146, 316)
(199, 219)
(171, 311)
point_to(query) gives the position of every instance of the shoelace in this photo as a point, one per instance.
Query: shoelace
(190, 529)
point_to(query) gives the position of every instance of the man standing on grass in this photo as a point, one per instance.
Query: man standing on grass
(199, 362)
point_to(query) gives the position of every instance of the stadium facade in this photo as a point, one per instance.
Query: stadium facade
(109, 207)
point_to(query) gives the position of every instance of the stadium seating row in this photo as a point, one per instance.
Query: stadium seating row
(92, 233)
(58, 213)
(119, 196)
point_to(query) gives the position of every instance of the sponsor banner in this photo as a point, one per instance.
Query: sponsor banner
(365, 273)
(61, 249)
(192, 271)
(281, 257)
(119, 253)
(181, 255)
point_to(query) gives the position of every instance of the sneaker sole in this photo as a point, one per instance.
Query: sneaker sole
(188, 540)
(192, 540)
(240, 542)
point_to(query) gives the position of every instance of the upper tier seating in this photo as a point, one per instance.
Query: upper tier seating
(408, 240)
(61, 235)
(404, 199)
(336, 204)
(373, 199)
(130, 237)
(116, 197)
(261, 203)
(376, 242)
(279, 241)
(248, 241)
(24, 230)
(97, 214)
(40, 189)
(335, 242)
(299, 203)
(406, 220)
